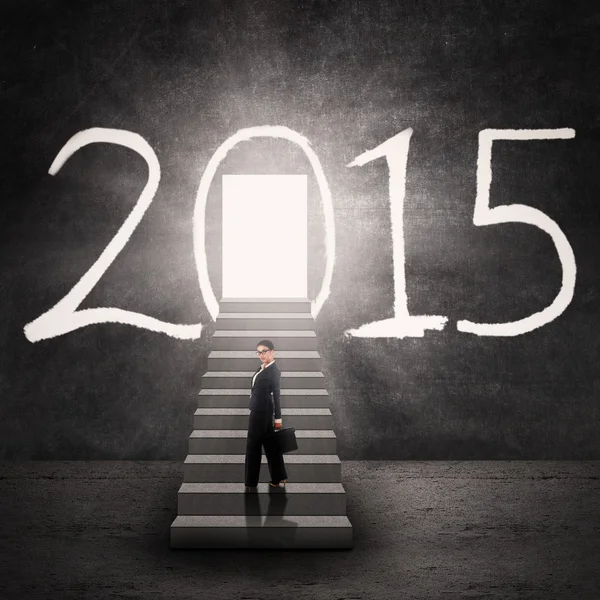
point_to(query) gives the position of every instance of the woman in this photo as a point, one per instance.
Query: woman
(264, 401)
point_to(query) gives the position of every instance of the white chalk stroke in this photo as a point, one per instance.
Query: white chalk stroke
(519, 213)
(64, 317)
(267, 131)
(402, 324)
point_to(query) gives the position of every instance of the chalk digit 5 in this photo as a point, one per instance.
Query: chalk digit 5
(519, 213)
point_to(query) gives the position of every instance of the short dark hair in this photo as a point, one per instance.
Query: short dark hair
(267, 343)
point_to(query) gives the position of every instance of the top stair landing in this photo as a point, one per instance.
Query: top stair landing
(284, 315)
(265, 305)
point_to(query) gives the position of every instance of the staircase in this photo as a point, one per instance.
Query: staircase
(214, 511)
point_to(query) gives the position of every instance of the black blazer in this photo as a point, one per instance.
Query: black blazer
(267, 384)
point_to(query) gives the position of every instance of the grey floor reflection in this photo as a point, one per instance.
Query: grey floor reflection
(282, 531)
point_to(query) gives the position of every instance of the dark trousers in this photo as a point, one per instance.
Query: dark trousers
(259, 424)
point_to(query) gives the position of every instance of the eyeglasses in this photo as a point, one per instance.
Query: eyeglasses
(261, 352)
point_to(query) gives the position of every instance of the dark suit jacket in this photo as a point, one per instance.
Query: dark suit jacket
(267, 383)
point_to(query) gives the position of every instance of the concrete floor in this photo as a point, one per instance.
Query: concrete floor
(421, 530)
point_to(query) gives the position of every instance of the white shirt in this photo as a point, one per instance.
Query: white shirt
(262, 368)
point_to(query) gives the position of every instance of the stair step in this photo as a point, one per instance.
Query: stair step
(247, 340)
(322, 532)
(267, 305)
(238, 398)
(229, 468)
(214, 511)
(237, 418)
(290, 360)
(233, 441)
(230, 499)
(264, 321)
(243, 379)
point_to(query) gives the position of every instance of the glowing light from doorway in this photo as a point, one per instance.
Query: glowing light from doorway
(265, 236)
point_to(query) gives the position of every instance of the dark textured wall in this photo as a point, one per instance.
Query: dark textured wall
(347, 75)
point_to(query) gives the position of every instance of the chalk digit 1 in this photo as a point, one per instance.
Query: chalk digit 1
(519, 213)
(64, 317)
(402, 324)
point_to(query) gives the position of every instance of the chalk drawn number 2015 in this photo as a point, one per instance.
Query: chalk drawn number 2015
(64, 317)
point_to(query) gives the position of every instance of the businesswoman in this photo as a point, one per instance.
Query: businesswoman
(264, 402)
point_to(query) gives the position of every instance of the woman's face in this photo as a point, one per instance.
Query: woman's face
(265, 357)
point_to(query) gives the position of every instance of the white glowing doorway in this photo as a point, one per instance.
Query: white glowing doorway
(265, 236)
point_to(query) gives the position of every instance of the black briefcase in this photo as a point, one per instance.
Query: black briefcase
(283, 440)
